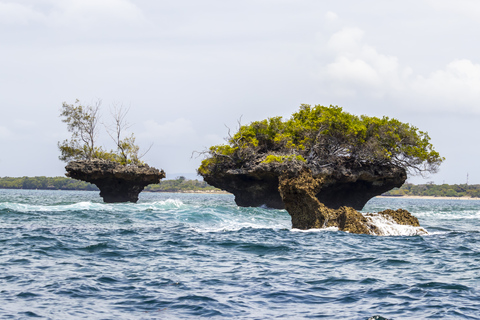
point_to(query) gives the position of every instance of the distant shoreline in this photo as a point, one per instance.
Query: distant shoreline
(428, 197)
(225, 192)
(191, 191)
(144, 191)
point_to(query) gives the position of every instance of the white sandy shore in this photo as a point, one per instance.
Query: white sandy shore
(429, 197)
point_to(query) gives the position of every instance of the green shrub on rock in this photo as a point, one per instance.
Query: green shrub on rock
(326, 136)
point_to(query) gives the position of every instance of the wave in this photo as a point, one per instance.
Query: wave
(388, 227)
(202, 214)
(450, 215)
(93, 206)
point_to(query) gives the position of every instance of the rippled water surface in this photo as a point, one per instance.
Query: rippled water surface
(67, 255)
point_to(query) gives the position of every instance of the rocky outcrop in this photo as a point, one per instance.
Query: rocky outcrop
(348, 184)
(117, 183)
(254, 186)
(299, 194)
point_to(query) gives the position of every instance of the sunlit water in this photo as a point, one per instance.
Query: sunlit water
(67, 255)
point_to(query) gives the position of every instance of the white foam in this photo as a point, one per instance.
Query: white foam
(87, 205)
(388, 227)
(315, 229)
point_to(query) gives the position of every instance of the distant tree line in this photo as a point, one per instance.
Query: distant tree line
(45, 183)
(434, 190)
(180, 184)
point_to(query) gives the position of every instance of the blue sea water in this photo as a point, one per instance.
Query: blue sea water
(67, 255)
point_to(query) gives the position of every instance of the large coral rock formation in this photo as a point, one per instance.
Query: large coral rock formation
(299, 195)
(117, 183)
(347, 184)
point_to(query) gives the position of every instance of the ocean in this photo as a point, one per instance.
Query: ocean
(68, 255)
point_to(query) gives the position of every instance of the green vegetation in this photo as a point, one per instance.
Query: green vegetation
(45, 183)
(82, 121)
(181, 184)
(281, 159)
(433, 190)
(326, 136)
(62, 183)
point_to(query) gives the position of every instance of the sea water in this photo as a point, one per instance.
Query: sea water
(68, 255)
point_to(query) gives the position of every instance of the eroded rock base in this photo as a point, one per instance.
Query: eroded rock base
(307, 212)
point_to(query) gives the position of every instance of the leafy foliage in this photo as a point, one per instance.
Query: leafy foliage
(82, 122)
(281, 159)
(327, 136)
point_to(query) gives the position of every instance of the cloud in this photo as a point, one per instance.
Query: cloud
(331, 16)
(358, 69)
(14, 13)
(5, 133)
(358, 66)
(90, 11)
(73, 13)
(457, 84)
(469, 8)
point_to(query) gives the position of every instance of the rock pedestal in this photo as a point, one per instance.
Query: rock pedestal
(117, 183)
(299, 195)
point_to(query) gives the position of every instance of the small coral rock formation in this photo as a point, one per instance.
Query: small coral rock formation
(117, 182)
(299, 195)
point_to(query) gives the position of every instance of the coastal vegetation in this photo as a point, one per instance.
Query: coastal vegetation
(326, 137)
(83, 123)
(180, 184)
(45, 183)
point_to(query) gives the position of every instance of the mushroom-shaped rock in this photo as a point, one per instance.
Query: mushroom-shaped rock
(117, 182)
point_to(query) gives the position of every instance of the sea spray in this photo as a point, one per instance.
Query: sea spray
(386, 226)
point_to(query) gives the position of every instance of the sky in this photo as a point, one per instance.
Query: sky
(189, 71)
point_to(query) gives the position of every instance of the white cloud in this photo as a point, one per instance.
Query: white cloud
(359, 66)
(331, 16)
(469, 8)
(90, 11)
(74, 13)
(14, 13)
(458, 83)
(5, 133)
(358, 69)
(347, 41)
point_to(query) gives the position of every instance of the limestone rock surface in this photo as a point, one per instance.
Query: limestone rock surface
(117, 183)
(299, 192)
